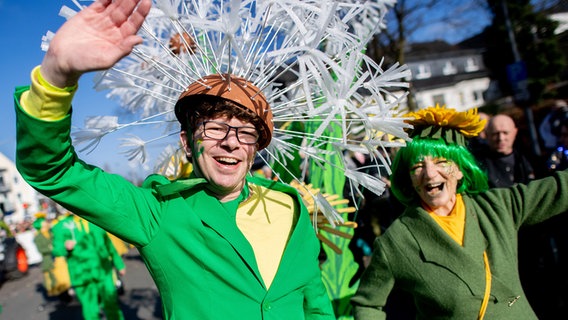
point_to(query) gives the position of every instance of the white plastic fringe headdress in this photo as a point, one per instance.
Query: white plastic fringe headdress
(306, 56)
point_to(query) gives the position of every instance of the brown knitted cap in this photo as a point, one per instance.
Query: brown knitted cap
(232, 88)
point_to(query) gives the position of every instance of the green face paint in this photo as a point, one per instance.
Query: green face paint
(197, 148)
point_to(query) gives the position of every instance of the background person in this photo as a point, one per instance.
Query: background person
(91, 260)
(55, 280)
(505, 165)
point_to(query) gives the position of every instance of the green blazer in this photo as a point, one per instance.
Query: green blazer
(446, 280)
(202, 264)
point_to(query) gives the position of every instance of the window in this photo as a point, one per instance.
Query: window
(471, 65)
(423, 72)
(449, 68)
(477, 95)
(439, 99)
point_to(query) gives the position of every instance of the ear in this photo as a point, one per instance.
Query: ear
(459, 173)
(183, 138)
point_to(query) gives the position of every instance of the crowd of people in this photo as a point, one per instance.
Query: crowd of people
(443, 236)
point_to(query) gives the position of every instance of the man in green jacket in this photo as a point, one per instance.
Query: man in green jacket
(219, 245)
(92, 261)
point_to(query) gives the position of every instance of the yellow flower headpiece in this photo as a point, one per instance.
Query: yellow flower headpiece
(449, 124)
(40, 214)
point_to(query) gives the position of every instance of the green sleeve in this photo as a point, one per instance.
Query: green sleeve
(116, 258)
(47, 161)
(375, 286)
(317, 304)
(534, 202)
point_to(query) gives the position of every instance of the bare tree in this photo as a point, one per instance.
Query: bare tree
(542, 5)
(413, 21)
(426, 20)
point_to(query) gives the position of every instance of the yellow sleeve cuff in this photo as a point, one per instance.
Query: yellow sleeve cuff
(45, 101)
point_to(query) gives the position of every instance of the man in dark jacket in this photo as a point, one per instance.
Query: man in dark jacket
(505, 166)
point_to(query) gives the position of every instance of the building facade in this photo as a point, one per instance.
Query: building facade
(18, 200)
(447, 75)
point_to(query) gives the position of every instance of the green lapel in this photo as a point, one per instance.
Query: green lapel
(439, 248)
(210, 211)
(215, 216)
(298, 237)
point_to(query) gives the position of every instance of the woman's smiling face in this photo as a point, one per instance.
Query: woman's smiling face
(436, 182)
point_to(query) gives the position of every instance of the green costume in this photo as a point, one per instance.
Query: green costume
(200, 261)
(44, 246)
(42, 240)
(91, 265)
(447, 280)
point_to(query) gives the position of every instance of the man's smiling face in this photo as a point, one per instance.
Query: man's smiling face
(224, 163)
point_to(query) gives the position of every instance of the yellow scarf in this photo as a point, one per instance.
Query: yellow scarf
(454, 223)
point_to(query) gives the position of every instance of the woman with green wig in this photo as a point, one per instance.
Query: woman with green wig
(454, 249)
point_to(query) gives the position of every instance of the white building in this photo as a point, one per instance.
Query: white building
(18, 200)
(447, 75)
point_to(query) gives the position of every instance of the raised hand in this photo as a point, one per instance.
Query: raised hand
(94, 39)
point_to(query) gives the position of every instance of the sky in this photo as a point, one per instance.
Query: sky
(22, 25)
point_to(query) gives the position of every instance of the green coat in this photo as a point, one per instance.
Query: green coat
(446, 280)
(45, 247)
(203, 266)
(93, 256)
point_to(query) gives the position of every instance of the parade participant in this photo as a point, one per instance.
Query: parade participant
(55, 272)
(92, 262)
(219, 245)
(454, 249)
(43, 242)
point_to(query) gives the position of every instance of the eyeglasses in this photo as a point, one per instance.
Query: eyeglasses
(220, 130)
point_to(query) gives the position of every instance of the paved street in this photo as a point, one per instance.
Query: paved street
(23, 299)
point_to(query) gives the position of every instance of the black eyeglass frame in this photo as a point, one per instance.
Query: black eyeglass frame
(229, 128)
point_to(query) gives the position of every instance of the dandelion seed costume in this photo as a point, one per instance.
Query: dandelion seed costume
(442, 267)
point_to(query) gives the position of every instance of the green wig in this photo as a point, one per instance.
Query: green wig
(440, 133)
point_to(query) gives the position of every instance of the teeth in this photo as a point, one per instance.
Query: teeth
(227, 160)
(432, 186)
